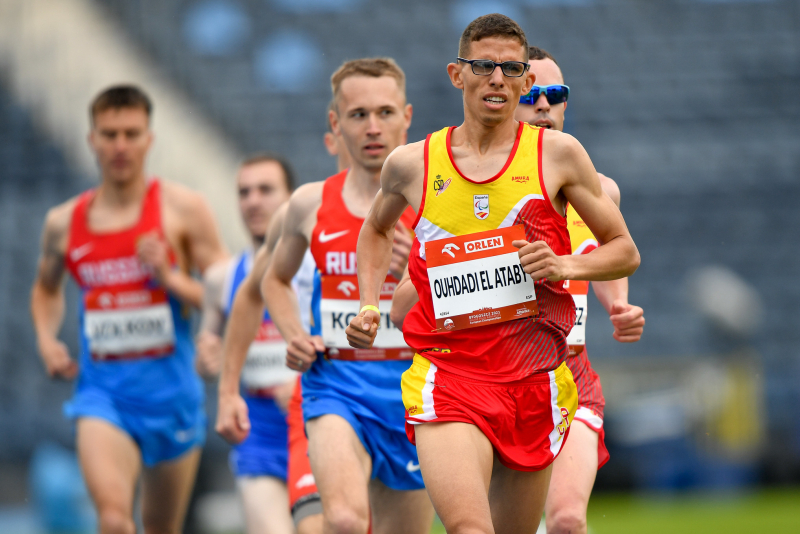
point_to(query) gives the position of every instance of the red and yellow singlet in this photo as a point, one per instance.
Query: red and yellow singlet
(454, 208)
(583, 242)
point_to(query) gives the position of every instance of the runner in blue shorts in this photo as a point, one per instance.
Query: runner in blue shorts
(129, 244)
(259, 462)
(352, 405)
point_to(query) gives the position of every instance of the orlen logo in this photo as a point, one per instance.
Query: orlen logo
(347, 287)
(483, 244)
(448, 249)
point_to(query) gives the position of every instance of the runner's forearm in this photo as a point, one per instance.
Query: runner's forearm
(185, 288)
(47, 311)
(282, 305)
(243, 324)
(374, 254)
(609, 291)
(405, 296)
(615, 259)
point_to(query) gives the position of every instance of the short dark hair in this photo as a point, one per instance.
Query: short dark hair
(265, 157)
(118, 97)
(536, 53)
(493, 25)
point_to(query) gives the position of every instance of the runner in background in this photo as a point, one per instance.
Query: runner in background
(233, 420)
(353, 409)
(574, 471)
(489, 260)
(259, 462)
(130, 245)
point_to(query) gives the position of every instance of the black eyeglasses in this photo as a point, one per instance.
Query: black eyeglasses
(485, 67)
(555, 94)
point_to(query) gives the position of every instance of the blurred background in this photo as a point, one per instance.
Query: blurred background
(690, 105)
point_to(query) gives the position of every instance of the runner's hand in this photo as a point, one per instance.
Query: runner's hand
(209, 354)
(628, 321)
(401, 248)
(539, 260)
(233, 422)
(302, 352)
(362, 329)
(57, 361)
(153, 252)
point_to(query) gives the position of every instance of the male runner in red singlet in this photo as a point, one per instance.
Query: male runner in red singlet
(233, 419)
(259, 463)
(351, 403)
(490, 256)
(130, 244)
(585, 452)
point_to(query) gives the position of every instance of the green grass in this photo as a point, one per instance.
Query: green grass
(772, 511)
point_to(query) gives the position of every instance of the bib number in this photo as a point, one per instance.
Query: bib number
(577, 336)
(340, 304)
(128, 325)
(477, 279)
(265, 366)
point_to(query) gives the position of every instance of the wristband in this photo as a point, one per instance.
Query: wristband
(370, 307)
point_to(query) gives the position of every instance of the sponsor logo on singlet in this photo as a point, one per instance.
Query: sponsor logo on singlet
(324, 238)
(520, 179)
(439, 185)
(114, 271)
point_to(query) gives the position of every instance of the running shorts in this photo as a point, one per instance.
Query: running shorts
(162, 432)
(526, 421)
(303, 494)
(591, 402)
(263, 453)
(367, 396)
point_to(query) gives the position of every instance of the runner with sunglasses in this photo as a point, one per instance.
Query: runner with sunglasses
(575, 469)
(490, 255)
(362, 463)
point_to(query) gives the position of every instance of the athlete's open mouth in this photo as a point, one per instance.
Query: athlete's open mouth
(544, 123)
(374, 147)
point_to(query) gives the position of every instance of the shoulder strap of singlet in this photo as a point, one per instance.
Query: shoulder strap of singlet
(151, 207)
(332, 190)
(78, 223)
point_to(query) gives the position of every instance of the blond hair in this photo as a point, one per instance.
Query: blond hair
(373, 67)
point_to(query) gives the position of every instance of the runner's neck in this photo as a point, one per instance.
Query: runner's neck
(121, 195)
(480, 138)
(360, 188)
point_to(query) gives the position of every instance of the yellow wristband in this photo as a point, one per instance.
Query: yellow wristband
(370, 307)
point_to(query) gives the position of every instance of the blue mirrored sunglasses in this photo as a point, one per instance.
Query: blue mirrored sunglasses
(555, 94)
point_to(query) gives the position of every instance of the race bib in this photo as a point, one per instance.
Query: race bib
(477, 279)
(265, 366)
(340, 304)
(128, 325)
(577, 336)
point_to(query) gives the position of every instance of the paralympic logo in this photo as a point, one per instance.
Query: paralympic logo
(481, 206)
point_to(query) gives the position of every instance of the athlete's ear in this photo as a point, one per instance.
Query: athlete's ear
(333, 118)
(407, 113)
(530, 79)
(454, 71)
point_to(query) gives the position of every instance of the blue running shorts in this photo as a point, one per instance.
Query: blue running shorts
(265, 451)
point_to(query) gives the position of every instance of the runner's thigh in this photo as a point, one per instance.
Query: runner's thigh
(399, 512)
(341, 466)
(111, 462)
(166, 489)
(266, 505)
(456, 461)
(517, 499)
(573, 475)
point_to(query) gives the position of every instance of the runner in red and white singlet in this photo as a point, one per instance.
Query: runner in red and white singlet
(130, 245)
(491, 196)
(363, 466)
(585, 452)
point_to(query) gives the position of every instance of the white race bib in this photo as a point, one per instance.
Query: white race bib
(265, 366)
(340, 304)
(577, 336)
(128, 324)
(477, 279)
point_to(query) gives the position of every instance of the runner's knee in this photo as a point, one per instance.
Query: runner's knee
(343, 519)
(566, 521)
(113, 521)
